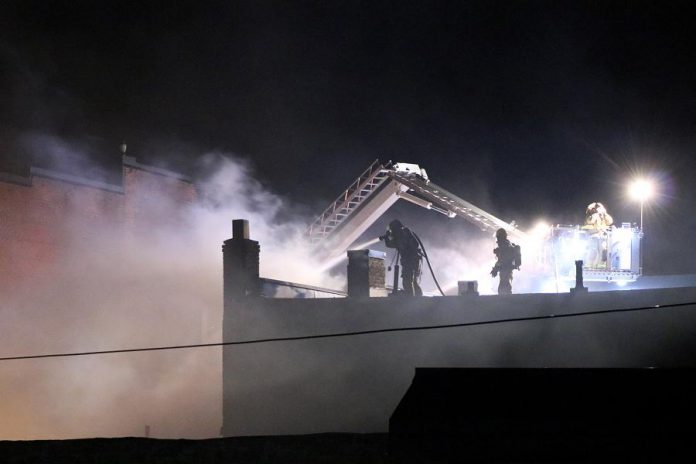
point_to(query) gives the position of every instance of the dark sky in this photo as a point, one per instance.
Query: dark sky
(529, 109)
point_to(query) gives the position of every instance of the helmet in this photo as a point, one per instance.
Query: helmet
(395, 225)
(501, 234)
(595, 207)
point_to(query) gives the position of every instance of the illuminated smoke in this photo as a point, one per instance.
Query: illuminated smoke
(162, 285)
(153, 286)
(333, 262)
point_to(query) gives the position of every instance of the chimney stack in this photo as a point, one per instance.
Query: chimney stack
(578, 278)
(366, 274)
(240, 257)
(468, 287)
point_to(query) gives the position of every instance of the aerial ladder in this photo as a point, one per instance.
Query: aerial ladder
(383, 184)
(378, 188)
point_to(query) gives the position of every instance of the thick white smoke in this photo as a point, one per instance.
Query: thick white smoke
(158, 284)
(111, 287)
(231, 191)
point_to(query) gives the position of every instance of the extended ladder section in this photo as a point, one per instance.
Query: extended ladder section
(377, 189)
(439, 199)
(348, 202)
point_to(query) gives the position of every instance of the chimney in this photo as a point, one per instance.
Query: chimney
(579, 288)
(366, 274)
(468, 287)
(240, 257)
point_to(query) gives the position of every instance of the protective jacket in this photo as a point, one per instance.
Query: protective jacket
(405, 242)
(596, 217)
(508, 258)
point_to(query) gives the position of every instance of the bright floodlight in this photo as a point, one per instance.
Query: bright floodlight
(541, 229)
(641, 190)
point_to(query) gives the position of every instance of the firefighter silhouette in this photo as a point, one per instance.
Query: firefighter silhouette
(410, 255)
(508, 258)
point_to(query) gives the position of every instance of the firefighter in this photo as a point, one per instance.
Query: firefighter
(597, 222)
(596, 217)
(411, 256)
(508, 258)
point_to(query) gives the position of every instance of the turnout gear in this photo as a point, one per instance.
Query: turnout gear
(508, 257)
(596, 217)
(501, 234)
(403, 240)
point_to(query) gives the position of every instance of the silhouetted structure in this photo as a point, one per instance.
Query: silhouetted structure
(531, 415)
(579, 287)
(240, 256)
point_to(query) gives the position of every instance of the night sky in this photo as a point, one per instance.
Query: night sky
(528, 109)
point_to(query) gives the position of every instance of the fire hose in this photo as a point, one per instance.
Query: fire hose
(425, 253)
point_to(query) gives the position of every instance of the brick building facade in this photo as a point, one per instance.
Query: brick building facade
(43, 211)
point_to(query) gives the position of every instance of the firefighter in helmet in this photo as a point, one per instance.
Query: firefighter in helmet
(400, 237)
(508, 258)
(597, 222)
(596, 217)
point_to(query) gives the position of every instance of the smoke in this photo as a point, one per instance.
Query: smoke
(105, 279)
(231, 191)
(467, 259)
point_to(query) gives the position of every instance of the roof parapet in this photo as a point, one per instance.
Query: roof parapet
(131, 162)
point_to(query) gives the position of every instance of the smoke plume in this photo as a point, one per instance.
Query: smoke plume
(111, 287)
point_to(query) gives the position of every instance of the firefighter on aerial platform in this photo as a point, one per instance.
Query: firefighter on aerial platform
(508, 258)
(411, 256)
(596, 217)
(597, 223)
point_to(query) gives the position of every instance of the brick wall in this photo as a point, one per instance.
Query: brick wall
(40, 215)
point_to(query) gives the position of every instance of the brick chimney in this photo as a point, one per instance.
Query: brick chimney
(366, 274)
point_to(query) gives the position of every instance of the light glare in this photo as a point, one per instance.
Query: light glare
(541, 229)
(641, 189)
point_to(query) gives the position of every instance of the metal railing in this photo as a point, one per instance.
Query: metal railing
(329, 219)
(272, 288)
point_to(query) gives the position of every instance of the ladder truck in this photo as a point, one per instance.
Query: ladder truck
(383, 184)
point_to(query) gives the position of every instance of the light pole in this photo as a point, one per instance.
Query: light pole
(641, 190)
